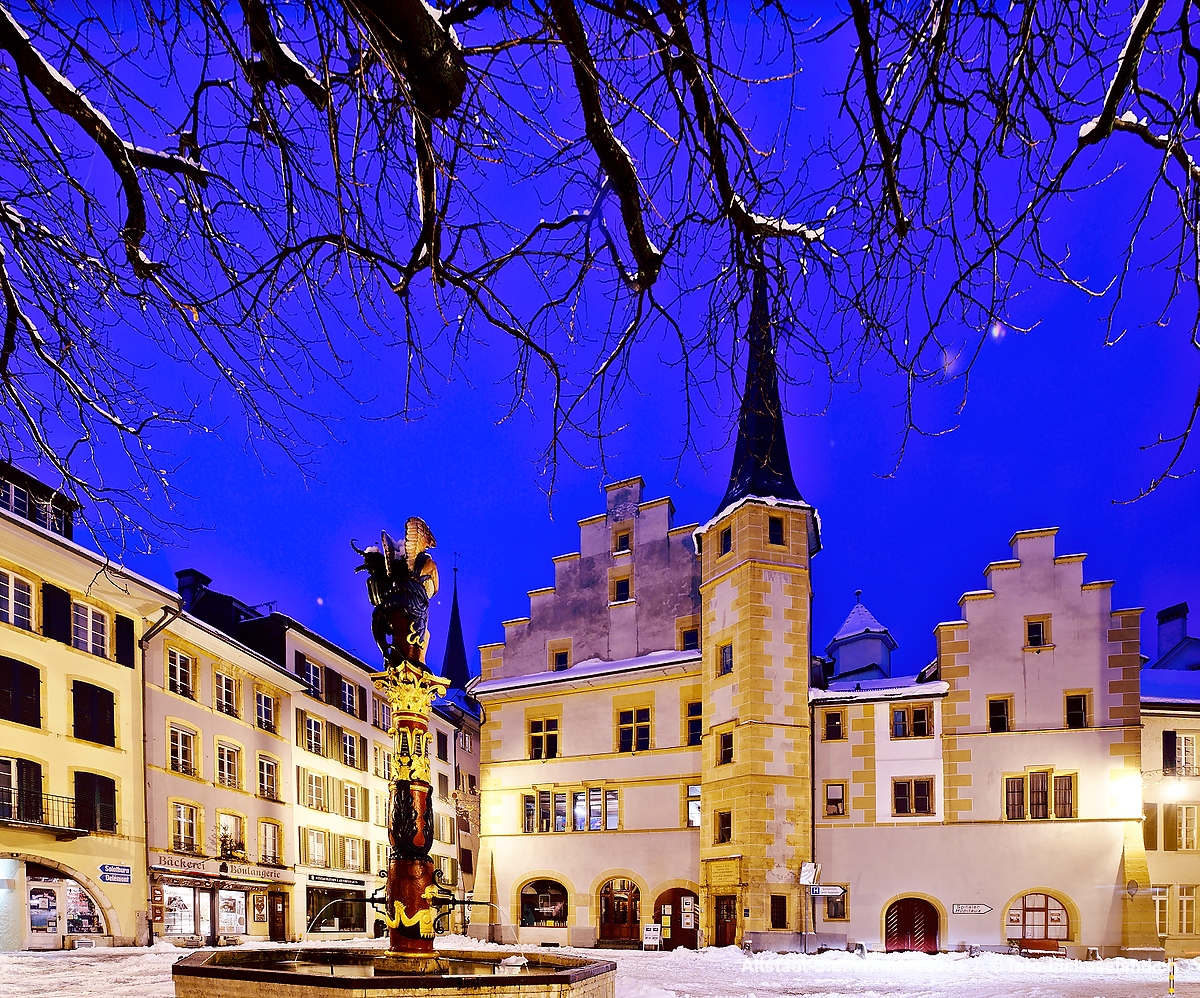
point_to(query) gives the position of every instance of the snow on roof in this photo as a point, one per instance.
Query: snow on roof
(588, 668)
(859, 621)
(896, 688)
(1170, 686)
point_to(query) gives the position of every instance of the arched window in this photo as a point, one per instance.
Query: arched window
(619, 917)
(1038, 916)
(544, 903)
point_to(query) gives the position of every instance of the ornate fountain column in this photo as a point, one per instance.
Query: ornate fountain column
(400, 583)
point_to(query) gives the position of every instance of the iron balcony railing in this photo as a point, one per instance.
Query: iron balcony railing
(232, 848)
(182, 688)
(183, 766)
(185, 843)
(229, 780)
(268, 793)
(266, 724)
(225, 707)
(37, 808)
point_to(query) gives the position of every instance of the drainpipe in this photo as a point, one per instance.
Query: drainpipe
(169, 615)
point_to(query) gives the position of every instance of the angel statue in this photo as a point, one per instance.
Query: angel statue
(400, 584)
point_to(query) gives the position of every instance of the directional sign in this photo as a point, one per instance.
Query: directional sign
(826, 891)
(970, 909)
(114, 868)
(112, 873)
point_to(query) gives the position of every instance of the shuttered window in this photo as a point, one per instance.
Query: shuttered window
(94, 711)
(95, 802)
(56, 613)
(20, 693)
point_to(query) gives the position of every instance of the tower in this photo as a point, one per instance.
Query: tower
(756, 602)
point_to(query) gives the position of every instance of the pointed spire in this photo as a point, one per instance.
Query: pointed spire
(454, 662)
(760, 459)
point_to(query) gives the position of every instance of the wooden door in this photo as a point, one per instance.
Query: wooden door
(911, 925)
(277, 917)
(726, 919)
(619, 916)
(676, 911)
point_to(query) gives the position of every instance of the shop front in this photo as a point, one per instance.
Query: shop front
(336, 904)
(207, 902)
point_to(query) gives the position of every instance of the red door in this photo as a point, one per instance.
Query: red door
(726, 912)
(619, 918)
(675, 911)
(912, 925)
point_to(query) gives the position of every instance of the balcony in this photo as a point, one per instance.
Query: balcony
(183, 766)
(266, 724)
(269, 793)
(185, 844)
(229, 780)
(182, 688)
(271, 859)
(233, 848)
(226, 707)
(57, 815)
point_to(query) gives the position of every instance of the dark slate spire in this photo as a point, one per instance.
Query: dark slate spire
(454, 662)
(760, 459)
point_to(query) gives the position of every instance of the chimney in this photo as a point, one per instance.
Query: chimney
(190, 582)
(1172, 627)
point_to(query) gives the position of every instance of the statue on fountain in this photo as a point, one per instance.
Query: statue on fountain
(400, 584)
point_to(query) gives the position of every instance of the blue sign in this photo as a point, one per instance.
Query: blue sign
(111, 873)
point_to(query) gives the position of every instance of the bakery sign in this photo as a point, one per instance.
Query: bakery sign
(220, 868)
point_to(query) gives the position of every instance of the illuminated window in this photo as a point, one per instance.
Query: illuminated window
(543, 738)
(835, 800)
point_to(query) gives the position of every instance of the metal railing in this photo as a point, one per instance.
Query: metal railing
(232, 848)
(185, 843)
(268, 793)
(225, 707)
(230, 780)
(266, 725)
(36, 808)
(183, 689)
(271, 859)
(183, 766)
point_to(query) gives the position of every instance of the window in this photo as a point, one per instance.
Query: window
(1039, 795)
(912, 797)
(622, 541)
(1077, 711)
(227, 766)
(353, 854)
(467, 861)
(1038, 916)
(691, 639)
(999, 714)
(1185, 755)
(16, 601)
(179, 674)
(264, 709)
(1037, 632)
(1014, 798)
(350, 801)
(1029, 796)
(779, 910)
(1185, 817)
(1160, 908)
(471, 786)
(775, 533)
(316, 847)
(695, 722)
(726, 541)
(724, 826)
(1064, 797)
(835, 800)
(314, 732)
(350, 749)
(14, 498)
(95, 802)
(633, 730)
(912, 721)
(443, 786)
(89, 629)
(560, 660)
(183, 827)
(595, 816)
(183, 751)
(443, 746)
(314, 795)
(579, 811)
(621, 590)
(543, 738)
(268, 778)
(20, 693)
(381, 713)
(268, 843)
(693, 805)
(835, 726)
(231, 838)
(1187, 910)
(94, 712)
(349, 698)
(724, 660)
(1150, 826)
(309, 673)
(612, 809)
(465, 742)
(226, 694)
(529, 813)
(724, 748)
(835, 908)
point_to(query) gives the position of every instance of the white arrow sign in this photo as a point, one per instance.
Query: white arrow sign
(970, 909)
(826, 891)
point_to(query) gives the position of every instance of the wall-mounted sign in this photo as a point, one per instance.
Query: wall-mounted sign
(970, 909)
(112, 873)
(337, 880)
(809, 872)
(826, 891)
(687, 903)
(724, 871)
(156, 894)
(156, 913)
(221, 868)
(260, 907)
(687, 920)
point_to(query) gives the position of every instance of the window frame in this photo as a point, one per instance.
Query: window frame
(724, 747)
(225, 706)
(844, 811)
(722, 827)
(176, 733)
(544, 736)
(1041, 621)
(225, 751)
(692, 812)
(725, 659)
(9, 583)
(725, 542)
(693, 723)
(774, 522)
(1018, 789)
(92, 616)
(265, 723)
(910, 784)
(348, 698)
(264, 857)
(1007, 701)
(269, 789)
(843, 900)
(177, 672)
(314, 735)
(827, 714)
(620, 582)
(639, 727)
(180, 819)
(1085, 697)
(909, 712)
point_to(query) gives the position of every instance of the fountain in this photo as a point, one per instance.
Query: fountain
(401, 580)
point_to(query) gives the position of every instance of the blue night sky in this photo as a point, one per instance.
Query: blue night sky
(1051, 434)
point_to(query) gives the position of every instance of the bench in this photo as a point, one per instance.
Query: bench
(1038, 947)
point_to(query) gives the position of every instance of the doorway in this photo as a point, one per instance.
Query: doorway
(675, 911)
(911, 925)
(277, 907)
(47, 927)
(726, 920)
(619, 914)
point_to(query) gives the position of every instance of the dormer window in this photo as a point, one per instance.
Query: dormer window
(561, 661)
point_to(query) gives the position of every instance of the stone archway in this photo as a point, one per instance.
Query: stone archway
(108, 912)
(620, 911)
(677, 910)
(911, 925)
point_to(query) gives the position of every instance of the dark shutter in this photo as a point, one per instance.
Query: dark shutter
(1169, 742)
(95, 714)
(1150, 826)
(362, 703)
(362, 753)
(1170, 826)
(95, 802)
(123, 636)
(333, 688)
(56, 613)
(20, 693)
(29, 791)
(300, 662)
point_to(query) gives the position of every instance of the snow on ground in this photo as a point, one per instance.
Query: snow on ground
(711, 973)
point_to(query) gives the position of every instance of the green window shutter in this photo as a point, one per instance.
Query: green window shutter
(300, 719)
(1170, 826)
(303, 846)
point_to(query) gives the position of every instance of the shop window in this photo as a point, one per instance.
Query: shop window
(835, 800)
(179, 910)
(775, 530)
(912, 797)
(912, 721)
(264, 708)
(724, 660)
(695, 722)
(336, 910)
(633, 730)
(20, 693)
(225, 694)
(779, 918)
(231, 913)
(543, 738)
(94, 713)
(835, 726)
(180, 674)
(999, 714)
(724, 826)
(89, 629)
(1077, 711)
(693, 805)
(1038, 916)
(724, 748)
(543, 903)
(16, 601)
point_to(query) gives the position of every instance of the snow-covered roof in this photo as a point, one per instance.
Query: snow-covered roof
(1170, 686)
(896, 688)
(589, 668)
(860, 619)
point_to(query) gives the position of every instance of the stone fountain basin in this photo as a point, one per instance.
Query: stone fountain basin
(365, 973)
